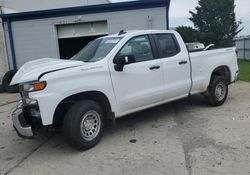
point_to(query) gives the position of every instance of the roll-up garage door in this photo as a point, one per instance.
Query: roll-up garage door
(82, 29)
(73, 37)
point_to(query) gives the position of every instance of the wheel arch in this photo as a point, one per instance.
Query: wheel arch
(7, 80)
(97, 96)
(223, 71)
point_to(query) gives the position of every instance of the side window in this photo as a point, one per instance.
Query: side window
(167, 45)
(139, 47)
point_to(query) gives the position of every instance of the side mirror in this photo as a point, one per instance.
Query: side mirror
(122, 60)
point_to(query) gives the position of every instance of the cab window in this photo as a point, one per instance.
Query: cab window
(167, 45)
(139, 47)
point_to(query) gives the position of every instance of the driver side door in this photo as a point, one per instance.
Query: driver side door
(140, 84)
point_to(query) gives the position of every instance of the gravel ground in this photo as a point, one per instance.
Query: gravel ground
(186, 137)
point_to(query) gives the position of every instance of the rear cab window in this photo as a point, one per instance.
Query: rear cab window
(167, 45)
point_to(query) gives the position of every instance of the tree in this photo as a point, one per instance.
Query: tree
(216, 22)
(188, 34)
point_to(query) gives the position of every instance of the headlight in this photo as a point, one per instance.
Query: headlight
(35, 86)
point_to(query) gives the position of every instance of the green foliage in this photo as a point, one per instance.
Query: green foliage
(188, 34)
(245, 70)
(216, 22)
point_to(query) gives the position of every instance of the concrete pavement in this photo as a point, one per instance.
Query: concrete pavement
(182, 138)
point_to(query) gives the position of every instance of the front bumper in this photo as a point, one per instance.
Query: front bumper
(23, 129)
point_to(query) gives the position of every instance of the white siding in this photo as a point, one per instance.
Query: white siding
(34, 39)
(32, 5)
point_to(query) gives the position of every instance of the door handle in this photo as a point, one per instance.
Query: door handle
(182, 62)
(155, 67)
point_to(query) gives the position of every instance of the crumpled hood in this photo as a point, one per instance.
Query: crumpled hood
(32, 70)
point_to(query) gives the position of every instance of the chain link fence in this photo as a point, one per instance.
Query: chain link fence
(243, 46)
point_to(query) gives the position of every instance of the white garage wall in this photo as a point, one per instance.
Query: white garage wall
(33, 5)
(34, 39)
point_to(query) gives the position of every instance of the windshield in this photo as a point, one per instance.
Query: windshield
(96, 50)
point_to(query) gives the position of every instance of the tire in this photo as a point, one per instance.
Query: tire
(6, 82)
(218, 91)
(84, 111)
(1, 88)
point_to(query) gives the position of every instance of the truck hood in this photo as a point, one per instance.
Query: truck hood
(32, 70)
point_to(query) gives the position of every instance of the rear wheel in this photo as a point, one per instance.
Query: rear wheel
(83, 124)
(218, 91)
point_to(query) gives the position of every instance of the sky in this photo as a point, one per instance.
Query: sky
(179, 13)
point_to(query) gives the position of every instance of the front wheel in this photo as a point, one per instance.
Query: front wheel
(83, 124)
(218, 91)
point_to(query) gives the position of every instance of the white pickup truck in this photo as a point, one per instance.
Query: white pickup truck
(114, 76)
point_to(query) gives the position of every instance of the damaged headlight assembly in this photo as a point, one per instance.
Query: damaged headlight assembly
(31, 87)
(34, 86)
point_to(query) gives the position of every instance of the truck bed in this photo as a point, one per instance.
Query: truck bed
(204, 61)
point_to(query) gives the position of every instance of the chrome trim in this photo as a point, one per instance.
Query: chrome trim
(22, 131)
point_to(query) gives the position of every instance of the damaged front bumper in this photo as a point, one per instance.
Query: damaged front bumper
(19, 122)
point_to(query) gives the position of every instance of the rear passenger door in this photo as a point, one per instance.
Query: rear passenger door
(176, 66)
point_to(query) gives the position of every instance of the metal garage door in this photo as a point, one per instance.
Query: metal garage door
(82, 29)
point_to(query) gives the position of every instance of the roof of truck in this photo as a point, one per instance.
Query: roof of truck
(134, 32)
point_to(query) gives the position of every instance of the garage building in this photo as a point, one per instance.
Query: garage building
(60, 33)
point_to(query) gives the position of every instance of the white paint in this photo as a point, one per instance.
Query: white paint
(134, 89)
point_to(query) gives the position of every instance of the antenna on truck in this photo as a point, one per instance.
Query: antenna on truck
(122, 32)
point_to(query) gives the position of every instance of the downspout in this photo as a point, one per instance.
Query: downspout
(167, 13)
(244, 49)
(12, 48)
